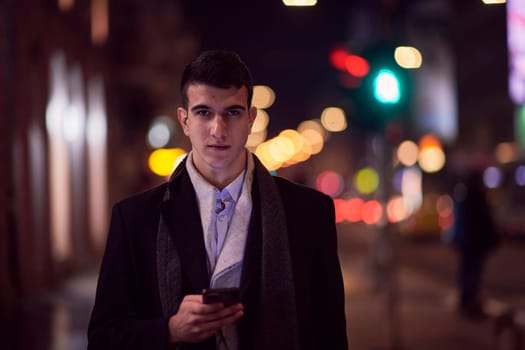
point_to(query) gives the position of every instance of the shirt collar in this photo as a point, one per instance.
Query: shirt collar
(206, 192)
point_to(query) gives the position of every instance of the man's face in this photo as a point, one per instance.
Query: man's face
(218, 122)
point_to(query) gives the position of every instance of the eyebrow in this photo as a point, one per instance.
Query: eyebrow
(203, 106)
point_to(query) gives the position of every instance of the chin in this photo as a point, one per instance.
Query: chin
(217, 164)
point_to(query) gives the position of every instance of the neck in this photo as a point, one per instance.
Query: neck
(221, 182)
(220, 179)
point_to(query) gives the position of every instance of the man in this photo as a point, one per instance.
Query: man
(476, 237)
(221, 221)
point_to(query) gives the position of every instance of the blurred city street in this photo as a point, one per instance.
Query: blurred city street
(424, 312)
(419, 314)
(389, 107)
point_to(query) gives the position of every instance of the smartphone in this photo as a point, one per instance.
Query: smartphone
(227, 296)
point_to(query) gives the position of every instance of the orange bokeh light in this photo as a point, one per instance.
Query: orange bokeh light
(429, 140)
(348, 210)
(353, 209)
(340, 206)
(372, 211)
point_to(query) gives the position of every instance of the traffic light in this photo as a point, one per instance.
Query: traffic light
(386, 87)
(384, 94)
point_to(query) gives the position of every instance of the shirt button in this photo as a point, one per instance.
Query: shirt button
(221, 218)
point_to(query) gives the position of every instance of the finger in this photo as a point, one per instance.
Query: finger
(220, 311)
(207, 309)
(217, 324)
(228, 315)
(230, 310)
(193, 298)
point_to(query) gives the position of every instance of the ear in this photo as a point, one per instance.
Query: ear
(252, 114)
(182, 115)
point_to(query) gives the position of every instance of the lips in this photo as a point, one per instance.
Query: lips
(219, 147)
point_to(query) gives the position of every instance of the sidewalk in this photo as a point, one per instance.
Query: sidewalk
(424, 316)
(56, 320)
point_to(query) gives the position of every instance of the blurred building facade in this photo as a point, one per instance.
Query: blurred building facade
(48, 54)
(479, 40)
(80, 80)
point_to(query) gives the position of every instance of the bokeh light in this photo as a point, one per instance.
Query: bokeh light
(431, 159)
(412, 189)
(396, 210)
(348, 210)
(158, 135)
(353, 209)
(304, 153)
(300, 2)
(356, 66)
(386, 87)
(519, 175)
(330, 183)
(407, 153)
(338, 57)
(429, 140)
(163, 161)
(333, 119)
(366, 180)
(408, 57)
(289, 147)
(339, 205)
(431, 156)
(281, 149)
(313, 124)
(295, 138)
(506, 152)
(263, 96)
(256, 138)
(492, 177)
(263, 153)
(371, 212)
(314, 139)
(261, 121)
(160, 132)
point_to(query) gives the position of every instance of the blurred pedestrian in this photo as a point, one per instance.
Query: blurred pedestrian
(475, 237)
(220, 221)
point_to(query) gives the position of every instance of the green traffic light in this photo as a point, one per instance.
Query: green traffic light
(387, 87)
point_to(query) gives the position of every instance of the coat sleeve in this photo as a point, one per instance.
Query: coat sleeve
(330, 306)
(119, 319)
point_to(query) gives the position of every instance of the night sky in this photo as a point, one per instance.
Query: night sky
(285, 47)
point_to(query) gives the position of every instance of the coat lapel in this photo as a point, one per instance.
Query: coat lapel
(182, 218)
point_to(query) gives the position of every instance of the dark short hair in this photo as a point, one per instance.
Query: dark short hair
(218, 68)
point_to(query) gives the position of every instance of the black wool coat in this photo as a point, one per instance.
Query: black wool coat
(127, 313)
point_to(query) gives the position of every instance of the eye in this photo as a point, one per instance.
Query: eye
(233, 112)
(203, 113)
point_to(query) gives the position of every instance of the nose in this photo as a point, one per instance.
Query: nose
(219, 127)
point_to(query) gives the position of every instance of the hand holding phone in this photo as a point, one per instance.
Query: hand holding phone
(227, 296)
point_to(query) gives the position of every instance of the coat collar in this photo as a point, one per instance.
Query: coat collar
(181, 215)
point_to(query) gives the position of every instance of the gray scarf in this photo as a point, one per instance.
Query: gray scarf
(277, 326)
